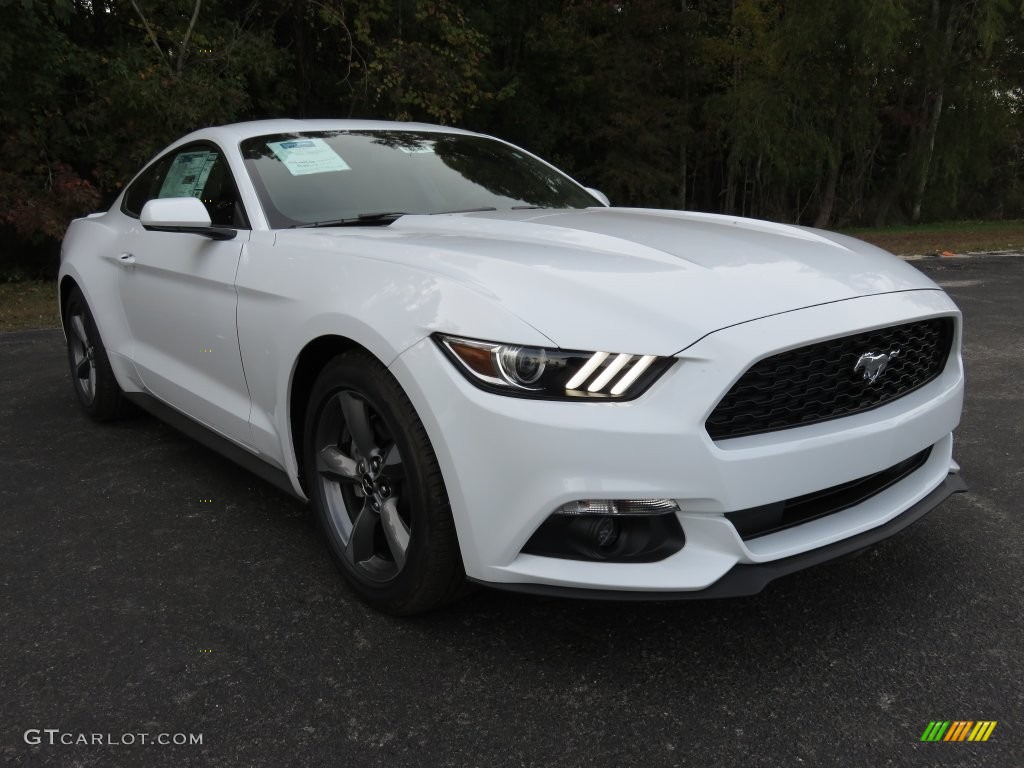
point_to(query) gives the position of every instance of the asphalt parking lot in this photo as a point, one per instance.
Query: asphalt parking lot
(150, 586)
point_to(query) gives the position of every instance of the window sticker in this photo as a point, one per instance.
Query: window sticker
(304, 156)
(188, 174)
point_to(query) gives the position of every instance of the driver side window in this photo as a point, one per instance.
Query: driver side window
(198, 170)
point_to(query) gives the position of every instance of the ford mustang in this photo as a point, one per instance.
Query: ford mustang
(475, 369)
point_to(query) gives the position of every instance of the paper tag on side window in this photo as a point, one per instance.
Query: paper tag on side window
(188, 174)
(303, 156)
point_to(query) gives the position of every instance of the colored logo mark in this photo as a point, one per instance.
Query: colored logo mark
(958, 730)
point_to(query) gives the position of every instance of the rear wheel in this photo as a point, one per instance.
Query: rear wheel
(95, 386)
(377, 489)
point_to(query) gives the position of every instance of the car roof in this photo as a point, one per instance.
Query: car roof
(236, 132)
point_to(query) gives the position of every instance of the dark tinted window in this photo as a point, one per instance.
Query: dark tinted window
(327, 175)
(145, 187)
(198, 170)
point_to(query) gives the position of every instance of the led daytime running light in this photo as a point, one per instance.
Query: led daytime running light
(553, 373)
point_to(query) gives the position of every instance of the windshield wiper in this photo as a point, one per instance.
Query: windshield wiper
(376, 218)
(468, 210)
(362, 220)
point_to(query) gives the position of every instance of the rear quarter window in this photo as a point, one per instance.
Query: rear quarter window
(145, 187)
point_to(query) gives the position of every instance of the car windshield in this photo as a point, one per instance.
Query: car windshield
(335, 177)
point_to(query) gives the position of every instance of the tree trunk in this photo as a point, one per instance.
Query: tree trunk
(828, 198)
(897, 186)
(937, 86)
(299, 43)
(926, 160)
(730, 184)
(835, 158)
(683, 173)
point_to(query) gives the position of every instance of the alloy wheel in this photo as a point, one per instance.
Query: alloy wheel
(362, 479)
(83, 354)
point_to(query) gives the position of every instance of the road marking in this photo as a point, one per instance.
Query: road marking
(959, 283)
(968, 255)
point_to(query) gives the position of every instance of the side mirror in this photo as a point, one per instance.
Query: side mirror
(182, 214)
(600, 196)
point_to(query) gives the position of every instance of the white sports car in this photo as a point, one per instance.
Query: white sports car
(474, 368)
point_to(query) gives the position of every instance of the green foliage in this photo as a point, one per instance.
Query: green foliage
(423, 61)
(39, 186)
(827, 111)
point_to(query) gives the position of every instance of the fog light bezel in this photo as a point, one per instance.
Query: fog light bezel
(639, 537)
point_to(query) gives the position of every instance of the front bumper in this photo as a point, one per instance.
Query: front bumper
(509, 463)
(744, 580)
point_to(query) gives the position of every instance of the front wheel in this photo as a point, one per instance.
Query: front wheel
(377, 489)
(95, 386)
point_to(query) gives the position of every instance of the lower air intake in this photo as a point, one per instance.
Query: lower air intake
(772, 518)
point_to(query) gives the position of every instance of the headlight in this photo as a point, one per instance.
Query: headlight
(552, 374)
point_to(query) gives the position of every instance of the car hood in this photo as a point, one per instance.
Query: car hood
(637, 280)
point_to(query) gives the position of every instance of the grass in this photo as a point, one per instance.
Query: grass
(28, 305)
(948, 237)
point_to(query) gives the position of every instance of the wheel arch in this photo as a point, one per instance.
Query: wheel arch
(316, 354)
(66, 286)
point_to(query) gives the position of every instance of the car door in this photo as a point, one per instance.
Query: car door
(178, 293)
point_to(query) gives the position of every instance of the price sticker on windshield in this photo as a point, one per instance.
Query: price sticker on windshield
(305, 156)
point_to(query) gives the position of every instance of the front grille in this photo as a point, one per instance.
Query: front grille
(818, 382)
(770, 518)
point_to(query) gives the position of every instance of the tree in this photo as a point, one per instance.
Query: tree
(812, 111)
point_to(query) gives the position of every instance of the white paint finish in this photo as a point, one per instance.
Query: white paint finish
(713, 547)
(670, 279)
(718, 292)
(548, 454)
(179, 300)
(383, 306)
(875, 511)
(175, 212)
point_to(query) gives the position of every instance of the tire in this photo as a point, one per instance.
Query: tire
(377, 491)
(97, 390)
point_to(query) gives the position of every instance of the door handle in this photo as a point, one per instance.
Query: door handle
(127, 260)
